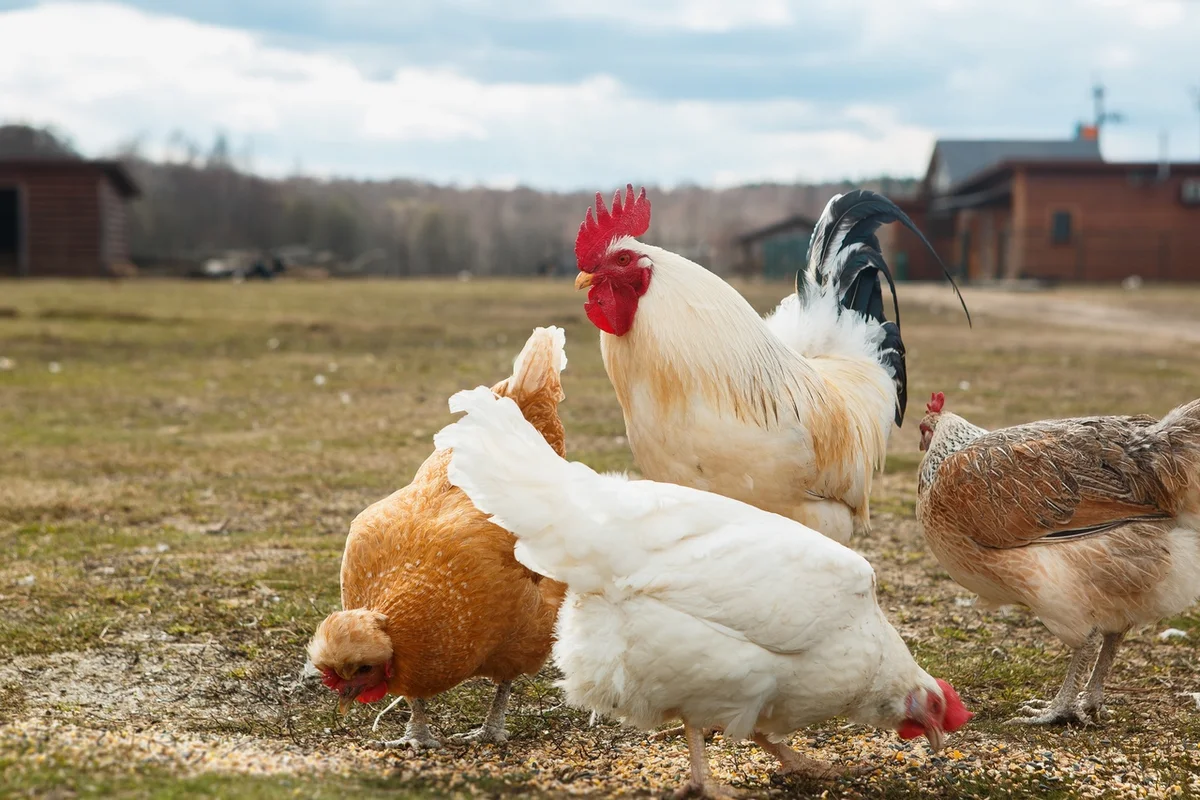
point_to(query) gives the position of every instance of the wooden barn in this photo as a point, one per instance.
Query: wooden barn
(63, 217)
(1053, 210)
(778, 250)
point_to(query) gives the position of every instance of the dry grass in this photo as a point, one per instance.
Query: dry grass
(173, 497)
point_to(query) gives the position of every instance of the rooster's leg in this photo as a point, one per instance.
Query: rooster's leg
(493, 729)
(416, 732)
(792, 763)
(1092, 702)
(702, 783)
(1065, 705)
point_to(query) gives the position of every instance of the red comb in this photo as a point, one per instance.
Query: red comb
(934, 406)
(628, 218)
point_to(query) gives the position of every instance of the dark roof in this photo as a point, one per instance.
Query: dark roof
(794, 222)
(1001, 173)
(955, 161)
(115, 171)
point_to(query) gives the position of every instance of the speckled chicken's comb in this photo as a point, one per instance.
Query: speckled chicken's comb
(934, 406)
(628, 218)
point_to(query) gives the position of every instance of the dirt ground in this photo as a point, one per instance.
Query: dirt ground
(179, 464)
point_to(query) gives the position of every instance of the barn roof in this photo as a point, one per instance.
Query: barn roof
(954, 161)
(794, 222)
(116, 172)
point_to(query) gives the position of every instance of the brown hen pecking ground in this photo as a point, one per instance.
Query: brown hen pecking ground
(180, 464)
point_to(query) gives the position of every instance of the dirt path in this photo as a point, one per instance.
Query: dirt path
(1061, 309)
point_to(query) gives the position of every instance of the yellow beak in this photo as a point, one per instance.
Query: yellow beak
(583, 281)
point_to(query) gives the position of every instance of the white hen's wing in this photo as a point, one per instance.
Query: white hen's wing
(751, 575)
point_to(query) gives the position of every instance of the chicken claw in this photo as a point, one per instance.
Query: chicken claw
(415, 742)
(793, 763)
(1041, 712)
(493, 730)
(416, 732)
(482, 735)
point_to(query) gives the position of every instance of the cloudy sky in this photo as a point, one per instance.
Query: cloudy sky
(579, 94)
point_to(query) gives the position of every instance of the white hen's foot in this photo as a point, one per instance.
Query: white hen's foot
(701, 783)
(793, 764)
(709, 790)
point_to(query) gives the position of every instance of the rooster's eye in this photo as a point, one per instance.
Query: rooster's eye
(623, 259)
(364, 669)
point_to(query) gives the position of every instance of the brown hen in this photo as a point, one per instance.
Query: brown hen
(1092, 523)
(431, 592)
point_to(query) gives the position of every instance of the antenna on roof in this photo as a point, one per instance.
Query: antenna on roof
(1196, 96)
(1103, 116)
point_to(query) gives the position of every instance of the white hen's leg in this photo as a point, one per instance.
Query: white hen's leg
(416, 732)
(702, 784)
(493, 729)
(678, 730)
(1092, 701)
(1064, 707)
(792, 763)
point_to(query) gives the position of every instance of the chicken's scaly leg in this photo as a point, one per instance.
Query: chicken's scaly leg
(1092, 701)
(792, 763)
(702, 784)
(678, 730)
(493, 729)
(416, 732)
(1065, 705)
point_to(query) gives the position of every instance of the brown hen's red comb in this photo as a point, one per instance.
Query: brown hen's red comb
(628, 218)
(934, 406)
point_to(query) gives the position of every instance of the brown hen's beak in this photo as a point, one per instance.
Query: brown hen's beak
(583, 281)
(347, 698)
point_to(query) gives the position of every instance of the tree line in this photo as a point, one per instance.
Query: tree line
(200, 202)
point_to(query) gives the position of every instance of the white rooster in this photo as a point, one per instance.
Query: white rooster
(791, 413)
(685, 604)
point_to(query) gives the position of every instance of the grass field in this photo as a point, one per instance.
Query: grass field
(179, 464)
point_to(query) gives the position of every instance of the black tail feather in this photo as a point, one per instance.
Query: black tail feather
(844, 251)
(892, 355)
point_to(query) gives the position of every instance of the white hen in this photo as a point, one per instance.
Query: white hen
(686, 604)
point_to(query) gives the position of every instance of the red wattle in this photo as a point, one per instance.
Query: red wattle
(596, 316)
(377, 692)
(611, 306)
(910, 730)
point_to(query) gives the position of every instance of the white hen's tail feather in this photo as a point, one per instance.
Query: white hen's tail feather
(554, 507)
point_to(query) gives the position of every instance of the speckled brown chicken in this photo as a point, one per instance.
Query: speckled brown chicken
(1092, 523)
(431, 592)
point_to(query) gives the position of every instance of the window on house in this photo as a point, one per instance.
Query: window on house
(1060, 227)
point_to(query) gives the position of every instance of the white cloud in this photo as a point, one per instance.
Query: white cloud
(709, 16)
(103, 72)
